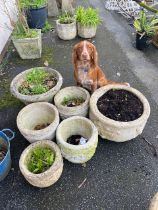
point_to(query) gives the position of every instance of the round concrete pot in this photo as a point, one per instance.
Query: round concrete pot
(35, 114)
(86, 32)
(64, 111)
(154, 202)
(66, 31)
(48, 177)
(115, 130)
(77, 126)
(48, 96)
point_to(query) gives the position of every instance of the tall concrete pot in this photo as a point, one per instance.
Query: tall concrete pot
(50, 176)
(66, 31)
(154, 202)
(48, 96)
(115, 130)
(37, 114)
(73, 91)
(86, 32)
(29, 48)
(77, 126)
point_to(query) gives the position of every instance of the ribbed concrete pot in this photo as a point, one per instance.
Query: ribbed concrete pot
(86, 32)
(77, 126)
(48, 96)
(115, 130)
(29, 48)
(154, 202)
(66, 31)
(36, 114)
(48, 177)
(73, 91)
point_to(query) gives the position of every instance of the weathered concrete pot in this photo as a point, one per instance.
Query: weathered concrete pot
(73, 91)
(35, 114)
(48, 96)
(29, 48)
(115, 130)
(66, 31)
(154, 202)
(48, 177)
(86, 32)
(77, 126)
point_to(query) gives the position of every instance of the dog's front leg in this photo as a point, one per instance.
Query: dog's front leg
(93, 86)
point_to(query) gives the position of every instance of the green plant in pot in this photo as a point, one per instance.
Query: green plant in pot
(36, 12)
(145, 29)
(66, 26)
(87, 21)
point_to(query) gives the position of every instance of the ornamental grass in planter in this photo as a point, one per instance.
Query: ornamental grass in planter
(36, 12)
(66, 27)
(38, 121)
(119, 112)
(77, 138)
(72, 101)
(87, 21)
(36, 84)
(41, 163)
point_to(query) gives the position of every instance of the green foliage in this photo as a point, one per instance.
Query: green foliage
(87, 16)
(33, 3)
(47, 27)
(20, 34)
(36, 76)
(72, 101)
(146, 26)
(66, 18)
(41, 159)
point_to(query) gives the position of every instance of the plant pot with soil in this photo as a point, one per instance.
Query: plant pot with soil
(77, 138)
(119, 112)
(72, 101)
(36, 84)
(5, 157)
(66, 27)
(87, 21)
(36, 12)
(41, 163)
(145, 30)
(38, 121)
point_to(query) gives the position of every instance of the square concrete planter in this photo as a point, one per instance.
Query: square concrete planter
(29, 48)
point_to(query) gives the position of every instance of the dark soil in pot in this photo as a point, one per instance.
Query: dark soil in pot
(3, 152)
(77, 140)
(41, 126)
(141, 43)
(120, 105)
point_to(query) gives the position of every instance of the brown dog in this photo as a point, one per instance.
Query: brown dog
(87, 73)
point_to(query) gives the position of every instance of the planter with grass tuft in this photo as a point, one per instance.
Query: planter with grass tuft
(77, 138)
(38, 121)
(119, 112)
(41, 163)
(72, 101)
(87, 21)
(36, 84)
(66, 27)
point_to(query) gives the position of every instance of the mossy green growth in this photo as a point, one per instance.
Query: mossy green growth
(47, 55)
(7, 100)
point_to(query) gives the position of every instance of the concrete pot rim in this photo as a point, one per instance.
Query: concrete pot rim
(27, 39)
(60, 106)
(66, 24)
(87, 26)
(33, 98)
(28, 149)
(99, 92)
(76, 147)
(37, 132)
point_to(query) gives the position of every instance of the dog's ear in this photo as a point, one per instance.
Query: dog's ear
(95, 56)
(74, 54)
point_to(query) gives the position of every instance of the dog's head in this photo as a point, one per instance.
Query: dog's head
(85, 51)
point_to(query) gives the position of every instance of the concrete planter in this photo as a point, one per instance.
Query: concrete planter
(64, 111)
(115, 130)
(29, 48)
(48, 177)
(77, 126)
(48, 96)
(86, 32)
(154, 202)
(36, 114)
(66, 31)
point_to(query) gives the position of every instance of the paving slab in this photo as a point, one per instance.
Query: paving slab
(121, 176)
